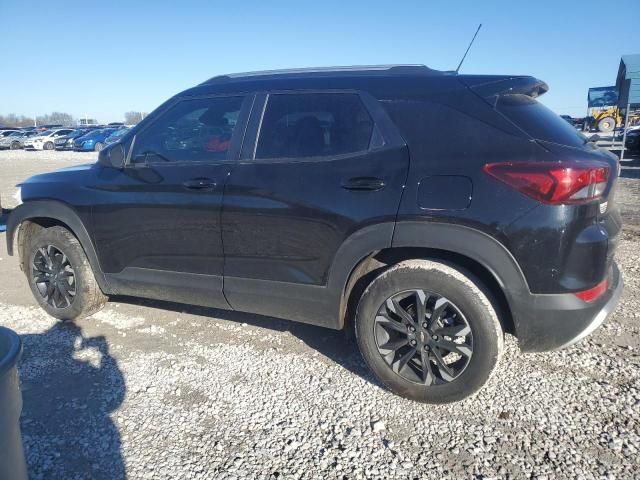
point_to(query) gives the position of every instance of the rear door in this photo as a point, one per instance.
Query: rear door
(316, 168)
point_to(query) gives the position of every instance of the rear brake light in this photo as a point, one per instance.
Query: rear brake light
(593, 293)
(554, 182)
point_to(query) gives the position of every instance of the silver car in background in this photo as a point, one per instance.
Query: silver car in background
(16, 139)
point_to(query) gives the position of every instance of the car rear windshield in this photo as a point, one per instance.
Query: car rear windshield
(538, 121)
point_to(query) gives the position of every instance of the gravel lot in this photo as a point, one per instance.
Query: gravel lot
(156, 390)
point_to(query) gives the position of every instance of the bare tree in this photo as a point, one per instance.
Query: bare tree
(132, 118)
(58, 118)
(13, 120)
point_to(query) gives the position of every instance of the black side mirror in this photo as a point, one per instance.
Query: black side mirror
(113, 156)
(594, 138)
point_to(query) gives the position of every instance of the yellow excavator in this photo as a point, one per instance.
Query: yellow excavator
(604, 114)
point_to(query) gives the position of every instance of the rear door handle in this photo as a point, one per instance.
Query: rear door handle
(363, 184)
(199, 184)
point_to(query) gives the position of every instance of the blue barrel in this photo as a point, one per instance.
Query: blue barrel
(12, 462)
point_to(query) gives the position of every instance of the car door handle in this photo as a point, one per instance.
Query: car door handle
(363, 184)
(199, 184)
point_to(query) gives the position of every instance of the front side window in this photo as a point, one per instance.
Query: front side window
(314, 125)
(196, 130)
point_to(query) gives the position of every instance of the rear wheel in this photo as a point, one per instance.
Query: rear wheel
(428, 331)
(60, 276)
(607, 124)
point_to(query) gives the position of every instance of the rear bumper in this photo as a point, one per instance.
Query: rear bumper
(550, 322)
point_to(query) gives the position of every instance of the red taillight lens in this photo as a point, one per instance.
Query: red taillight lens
(554, 182)
(593, 293)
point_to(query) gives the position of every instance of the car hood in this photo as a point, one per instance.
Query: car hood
(61, 175)
(59, 184)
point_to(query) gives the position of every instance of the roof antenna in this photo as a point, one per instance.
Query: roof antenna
(468, 48)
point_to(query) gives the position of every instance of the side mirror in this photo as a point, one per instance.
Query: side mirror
(594, 138)
(113, 156)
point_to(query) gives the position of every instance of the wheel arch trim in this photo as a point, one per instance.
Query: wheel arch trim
(61, 212)
(467, 241)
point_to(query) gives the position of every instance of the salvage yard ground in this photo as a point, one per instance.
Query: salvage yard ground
(157, 390)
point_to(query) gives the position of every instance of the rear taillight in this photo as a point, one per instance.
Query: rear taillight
(593, 293)
(554, 182)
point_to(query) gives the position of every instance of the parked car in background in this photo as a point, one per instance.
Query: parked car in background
(620, 134)
(115, 136)
(16, 141)
(45, 140)
(575, 122)
(65, 142)
(6, 132)
(8, 141)
(92, 141)
(632, 142)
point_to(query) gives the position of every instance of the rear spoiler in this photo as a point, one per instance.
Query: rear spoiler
(491, 87)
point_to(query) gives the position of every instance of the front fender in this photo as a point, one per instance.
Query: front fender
(60, 212)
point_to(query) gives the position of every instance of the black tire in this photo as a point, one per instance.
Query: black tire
(15, 145)
(98, 147)
(87, 298)
(607, 124)
(48, 146)
(466, 296)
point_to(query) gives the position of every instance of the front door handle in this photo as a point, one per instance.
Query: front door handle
(199, 184)
(363, 184)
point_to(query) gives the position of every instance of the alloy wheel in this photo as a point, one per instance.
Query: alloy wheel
(423, 337)
(54, 276)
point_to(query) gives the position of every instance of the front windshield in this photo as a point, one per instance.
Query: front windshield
(602, 96)
(118, 133)
(46, 133)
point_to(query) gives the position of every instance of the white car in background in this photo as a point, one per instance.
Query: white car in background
(46, 140)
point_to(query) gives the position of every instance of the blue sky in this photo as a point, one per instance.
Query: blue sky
(103, 58)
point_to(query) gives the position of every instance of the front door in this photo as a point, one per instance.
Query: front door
(157, 221)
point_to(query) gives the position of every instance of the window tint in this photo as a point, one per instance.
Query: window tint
(538, 121)
(191, 131)
(314, 124)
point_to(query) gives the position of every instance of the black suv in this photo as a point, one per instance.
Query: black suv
(431, 212)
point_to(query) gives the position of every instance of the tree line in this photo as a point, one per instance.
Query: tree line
(58, 118)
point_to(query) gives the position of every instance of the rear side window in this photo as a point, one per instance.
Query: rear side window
(314, 125)
(538, 121)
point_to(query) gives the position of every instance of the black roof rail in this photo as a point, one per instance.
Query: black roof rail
(399, 69)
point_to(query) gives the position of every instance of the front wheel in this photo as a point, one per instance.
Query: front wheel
(428, 331)
(607, 124)
(48, 146)
(60, 276)
(98, 147)
(15, 145)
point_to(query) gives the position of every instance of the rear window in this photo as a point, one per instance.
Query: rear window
(538, 121)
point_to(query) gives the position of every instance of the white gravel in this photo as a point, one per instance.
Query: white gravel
(152, 390)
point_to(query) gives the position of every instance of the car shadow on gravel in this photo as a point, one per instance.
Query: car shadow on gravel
(336, 345)
(69, 392)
